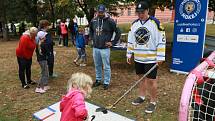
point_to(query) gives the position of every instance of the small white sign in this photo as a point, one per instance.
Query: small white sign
(188, 38)
(187, 29)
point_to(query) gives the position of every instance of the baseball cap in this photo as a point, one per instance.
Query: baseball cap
(101, 8)
(40, 35)
(141, 6)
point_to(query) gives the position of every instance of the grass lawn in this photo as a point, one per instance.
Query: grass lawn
(18, 104)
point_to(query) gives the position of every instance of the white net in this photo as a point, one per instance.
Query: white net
(202, 102)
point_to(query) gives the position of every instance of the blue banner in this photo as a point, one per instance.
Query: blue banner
(189, 34)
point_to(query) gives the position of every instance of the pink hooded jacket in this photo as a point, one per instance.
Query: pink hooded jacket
(73, 107)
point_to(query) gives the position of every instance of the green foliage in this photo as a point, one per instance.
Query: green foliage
(125, 28)
(65, 9)
(29, 10)
(80, 14)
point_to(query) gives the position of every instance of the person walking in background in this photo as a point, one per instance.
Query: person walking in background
(72, 31)
(80, 46)
(146, 41)
(21, 28)
(13, 28)
(102, 28)
(64, 33)
(24, 53)
(58, 31)
(76, 27)
(72, 105)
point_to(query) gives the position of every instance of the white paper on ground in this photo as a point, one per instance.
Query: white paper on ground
(99, 116)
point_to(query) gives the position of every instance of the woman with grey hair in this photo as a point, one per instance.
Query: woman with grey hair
(24, 53)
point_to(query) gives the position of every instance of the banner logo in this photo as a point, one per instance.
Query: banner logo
(189, 9)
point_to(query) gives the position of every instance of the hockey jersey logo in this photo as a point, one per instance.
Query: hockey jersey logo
(142, 35)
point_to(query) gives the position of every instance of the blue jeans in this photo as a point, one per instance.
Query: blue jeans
(81, 55)
(102, 57)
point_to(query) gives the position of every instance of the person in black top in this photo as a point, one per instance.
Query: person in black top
(102, 29)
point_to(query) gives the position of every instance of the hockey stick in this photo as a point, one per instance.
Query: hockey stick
(105, 109)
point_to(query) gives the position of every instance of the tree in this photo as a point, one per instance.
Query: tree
(88, 6)
(51, 2)
(65, 9)
(16, 11)
(3, 18)
(80, 14)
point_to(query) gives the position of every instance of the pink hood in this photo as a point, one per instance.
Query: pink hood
(73, 106)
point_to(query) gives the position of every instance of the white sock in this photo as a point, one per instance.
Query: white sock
(154, 103)
(142, 97)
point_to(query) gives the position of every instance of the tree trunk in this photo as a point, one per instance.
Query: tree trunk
(34, 13)
(92, 13)
(53, 14)
(4, 22)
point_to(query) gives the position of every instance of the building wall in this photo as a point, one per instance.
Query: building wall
(164, 16)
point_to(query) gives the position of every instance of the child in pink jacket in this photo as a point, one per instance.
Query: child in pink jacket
(72, 104)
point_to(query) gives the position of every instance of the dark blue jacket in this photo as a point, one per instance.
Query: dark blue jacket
(80, 41)
(44, 53)
(107, 27)
(49, 43)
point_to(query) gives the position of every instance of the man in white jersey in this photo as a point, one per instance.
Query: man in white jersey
(146, 42)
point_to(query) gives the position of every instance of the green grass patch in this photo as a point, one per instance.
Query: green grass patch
(210, 29)
(169, 29)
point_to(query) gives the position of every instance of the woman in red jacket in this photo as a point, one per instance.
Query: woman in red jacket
(24, 53)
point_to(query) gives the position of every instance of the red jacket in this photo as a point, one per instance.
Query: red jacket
(73, 107)
(26, 47)
(63, 28)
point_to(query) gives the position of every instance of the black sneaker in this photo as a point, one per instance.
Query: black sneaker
(26, 87)
(106, 86)
(96, 84)
(138, 101)
(32, 82)
(151, 108)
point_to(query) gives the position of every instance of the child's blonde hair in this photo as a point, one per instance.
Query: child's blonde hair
(81, 81)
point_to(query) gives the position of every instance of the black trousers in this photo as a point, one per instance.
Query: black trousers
(24, 70)
(65, 40)
(51, 64)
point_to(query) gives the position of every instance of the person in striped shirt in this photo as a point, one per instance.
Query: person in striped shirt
(146, 42)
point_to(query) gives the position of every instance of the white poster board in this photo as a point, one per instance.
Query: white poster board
(52, 113)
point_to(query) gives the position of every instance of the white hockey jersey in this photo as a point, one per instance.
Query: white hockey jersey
(147, 41)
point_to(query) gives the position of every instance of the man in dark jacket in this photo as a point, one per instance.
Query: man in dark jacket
(72, 31)
(102, 29)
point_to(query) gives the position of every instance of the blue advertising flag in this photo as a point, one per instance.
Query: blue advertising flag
(189, 34)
